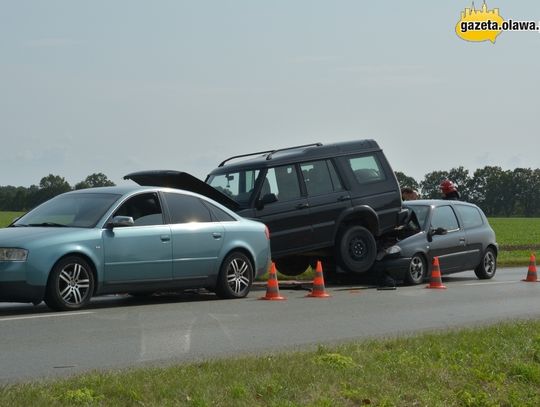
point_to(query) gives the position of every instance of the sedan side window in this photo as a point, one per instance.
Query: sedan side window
(186, 208)
(444, 217)
(145, 210)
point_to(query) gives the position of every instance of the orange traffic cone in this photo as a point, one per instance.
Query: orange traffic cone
(531, 273)
(435, 281)
(318, 290)
(272, 286)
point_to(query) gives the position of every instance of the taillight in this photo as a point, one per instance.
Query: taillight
(267, 232)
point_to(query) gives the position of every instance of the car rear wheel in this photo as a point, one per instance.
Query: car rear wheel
(417, 270)
(70, 285)
(235, 276)
(356, 249)
(292, 265)
(488, 266)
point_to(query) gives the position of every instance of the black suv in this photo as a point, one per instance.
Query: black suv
(319, 201)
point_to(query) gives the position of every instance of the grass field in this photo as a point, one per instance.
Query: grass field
(7, 217)
(489, 366)
(517, 237)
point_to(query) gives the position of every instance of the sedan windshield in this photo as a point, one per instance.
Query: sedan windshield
(82, 210)
(421, 212)
(236, 185)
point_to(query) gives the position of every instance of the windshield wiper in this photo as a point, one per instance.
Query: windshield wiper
(49, 224)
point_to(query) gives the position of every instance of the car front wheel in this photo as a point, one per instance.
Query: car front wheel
(70, 285)
(417, 270)
(235, 276)
(356, 249)
(488, 266)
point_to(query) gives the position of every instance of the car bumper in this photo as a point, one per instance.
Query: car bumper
(14, 286)
(20, 292)
(396, 267)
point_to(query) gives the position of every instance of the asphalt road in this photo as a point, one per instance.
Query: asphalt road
(121, 331)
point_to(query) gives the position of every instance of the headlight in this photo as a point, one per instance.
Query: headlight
(11, 254)
(393, 250)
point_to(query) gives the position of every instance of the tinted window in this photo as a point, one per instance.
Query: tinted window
(444, 217)
(366, 169)
(470, 215)
(145, 209)
(283, 182)
(318, 179)
(218, 213)
(186, 209)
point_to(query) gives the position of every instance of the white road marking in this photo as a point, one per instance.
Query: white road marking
(493, 282)
(46, 316)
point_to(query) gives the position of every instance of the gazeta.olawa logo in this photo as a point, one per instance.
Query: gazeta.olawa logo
(486, 25)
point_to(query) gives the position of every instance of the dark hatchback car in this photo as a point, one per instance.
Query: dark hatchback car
(458, 233)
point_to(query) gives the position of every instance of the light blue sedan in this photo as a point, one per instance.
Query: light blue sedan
(130, 239)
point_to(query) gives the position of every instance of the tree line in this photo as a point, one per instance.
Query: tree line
(498, 192)
(22, 198)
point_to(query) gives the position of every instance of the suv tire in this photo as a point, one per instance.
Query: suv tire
(292, 266)
(356, 249)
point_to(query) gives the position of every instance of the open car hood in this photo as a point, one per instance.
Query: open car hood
(182, 180)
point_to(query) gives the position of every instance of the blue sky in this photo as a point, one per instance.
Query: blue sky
(122, 86)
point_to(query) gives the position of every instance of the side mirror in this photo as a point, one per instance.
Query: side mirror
(265, 200)
(438, 231)
(121, 221)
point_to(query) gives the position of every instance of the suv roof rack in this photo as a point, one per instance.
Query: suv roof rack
(271, 152)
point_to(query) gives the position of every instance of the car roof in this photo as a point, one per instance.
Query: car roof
(436, 202)
(120, 190)
(291, 155)
(130, 189)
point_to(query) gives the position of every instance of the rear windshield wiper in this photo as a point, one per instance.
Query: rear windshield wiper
(50, 224)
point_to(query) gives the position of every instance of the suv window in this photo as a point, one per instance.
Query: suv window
(318, 177)
(186, 208)
(237, 185)
(283, 182)
(444, 217)
(366, 169)
(145, 209)
(470, 215)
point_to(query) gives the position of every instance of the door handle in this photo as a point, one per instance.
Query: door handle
(344, 198)
(462, 241)
(302, 206)
(165, 238)
(216, 235)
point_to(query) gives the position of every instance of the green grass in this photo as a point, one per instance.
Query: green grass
(517, 237)
(7, 217)
(490, 366)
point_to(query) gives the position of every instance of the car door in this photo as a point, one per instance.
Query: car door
(450, 247)
(326, 197)
(475, 234)
(196, 239)
(141, 252)
(288, 219)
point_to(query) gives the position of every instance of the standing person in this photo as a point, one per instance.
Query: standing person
(449, 190)
(408, 194)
